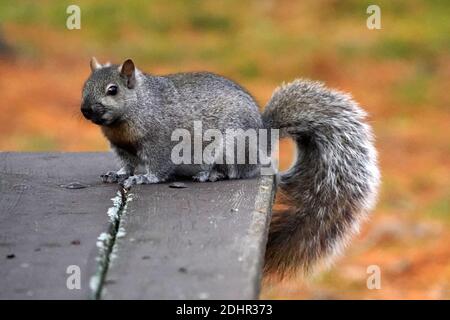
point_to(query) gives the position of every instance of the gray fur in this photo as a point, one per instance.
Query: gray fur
(157, 106)
(334, 181)
(331, 186)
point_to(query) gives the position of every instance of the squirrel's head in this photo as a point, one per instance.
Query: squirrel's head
(108, 91)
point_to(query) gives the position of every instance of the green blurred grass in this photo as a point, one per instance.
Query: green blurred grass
(243, 37)
(252, 40)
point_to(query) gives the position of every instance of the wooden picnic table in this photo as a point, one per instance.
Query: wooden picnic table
(59, 221)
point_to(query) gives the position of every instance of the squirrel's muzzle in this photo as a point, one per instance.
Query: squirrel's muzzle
(86, 110)
(93, 112)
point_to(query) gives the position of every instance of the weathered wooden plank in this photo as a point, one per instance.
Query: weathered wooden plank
(205, 241)
(44, 228)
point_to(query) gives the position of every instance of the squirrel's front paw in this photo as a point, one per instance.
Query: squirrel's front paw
(114, 177)
(109, 177)
(139, 179)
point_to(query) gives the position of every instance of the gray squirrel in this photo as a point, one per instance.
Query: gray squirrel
(328, 191)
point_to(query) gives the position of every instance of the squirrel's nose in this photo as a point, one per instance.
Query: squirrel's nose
(86, 110)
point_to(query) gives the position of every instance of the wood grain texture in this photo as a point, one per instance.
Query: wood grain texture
(44, 227)
(205, 241)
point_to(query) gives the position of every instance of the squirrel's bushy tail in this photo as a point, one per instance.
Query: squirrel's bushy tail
(333, 182)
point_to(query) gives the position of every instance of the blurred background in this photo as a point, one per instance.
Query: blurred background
(400, 74)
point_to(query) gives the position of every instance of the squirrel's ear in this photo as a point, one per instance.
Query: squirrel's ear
(94, 64)
(128, 70)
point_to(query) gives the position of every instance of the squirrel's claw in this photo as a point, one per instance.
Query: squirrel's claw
(139, 179)
(109, 177)
(129, 182)
(113, 177)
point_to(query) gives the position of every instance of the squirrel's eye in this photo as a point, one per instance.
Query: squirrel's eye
(112, 90)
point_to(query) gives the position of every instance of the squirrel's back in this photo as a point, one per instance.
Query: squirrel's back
(220, 102)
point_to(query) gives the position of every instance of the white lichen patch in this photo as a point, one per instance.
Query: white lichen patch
(94, 282)
(121, 223)
(103, 241)
(114, 211)
(106, 241)
(121, 233)
(103, 245)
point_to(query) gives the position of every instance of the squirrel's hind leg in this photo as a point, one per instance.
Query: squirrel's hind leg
(211, 176)
(148, 178)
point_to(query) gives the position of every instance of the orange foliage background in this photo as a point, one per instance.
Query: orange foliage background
(400, 74)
